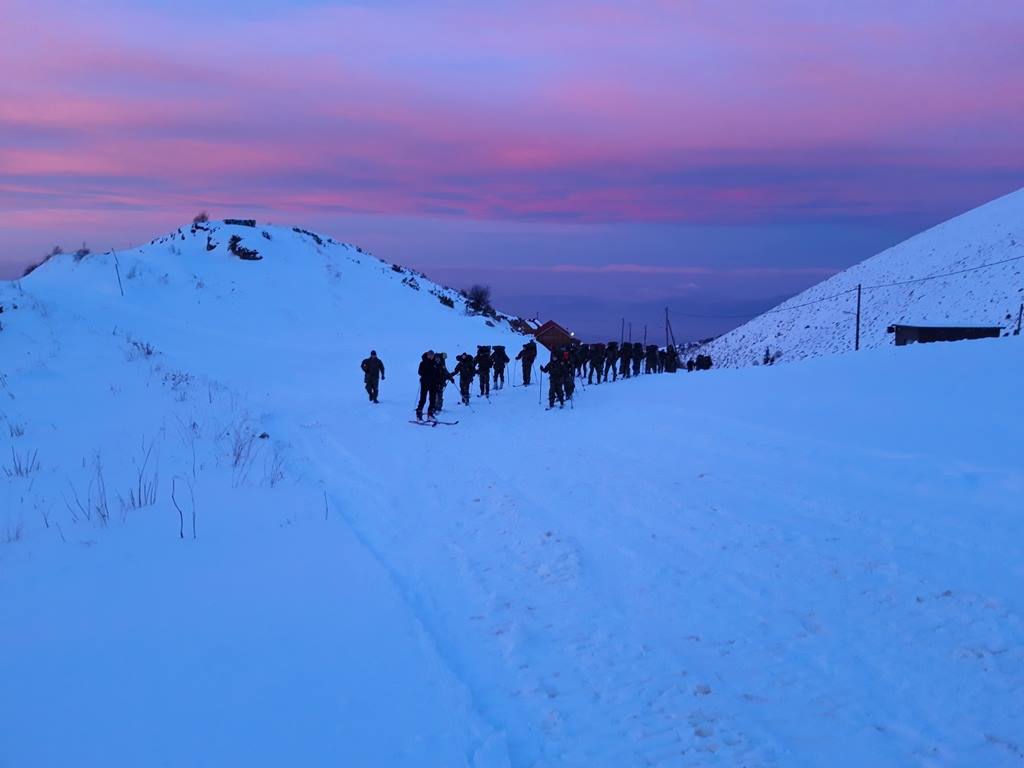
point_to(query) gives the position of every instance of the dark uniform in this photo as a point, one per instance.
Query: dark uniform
(429, 376)
(671, 359)
(569, 380)
(651, 365)
(442, 368)
(466, 369)
(373, 372)
(625, 356)
(527, 354)
(556, 371)
(611, 359)
(596, 363)
(483, 369)
(581, 353)
(500, 359)
(638, 357)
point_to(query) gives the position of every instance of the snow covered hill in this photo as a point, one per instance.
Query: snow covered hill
(214, 551)
(821, 320)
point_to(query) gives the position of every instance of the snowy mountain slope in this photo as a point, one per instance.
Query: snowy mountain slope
(785, 583)
(821, 320)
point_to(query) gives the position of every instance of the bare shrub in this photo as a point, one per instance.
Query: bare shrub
(244, 448)
(139, 349)
(479, 297)
(95, 497)
(13, 533)
(82, 252)
(273, 468)
(22, 465)
(201, 218)
(147, 480)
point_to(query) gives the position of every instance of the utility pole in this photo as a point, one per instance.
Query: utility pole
(622, 332)
(668, 330)
(631, 333)
(856, 342)
(645, 335)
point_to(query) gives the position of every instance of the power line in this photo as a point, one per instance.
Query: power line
(944, 274)
(854, 290)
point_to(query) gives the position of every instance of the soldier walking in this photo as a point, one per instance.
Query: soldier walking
(527, 354)
(483, 369)
(555, 369)
(373, 373)
(624, 359)
(466, 369)
(500, 359)
(596, 363)
(611, 359)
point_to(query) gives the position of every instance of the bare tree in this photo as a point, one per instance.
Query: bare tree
(479, 297)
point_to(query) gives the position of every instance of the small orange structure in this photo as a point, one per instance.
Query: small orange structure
(552, 335)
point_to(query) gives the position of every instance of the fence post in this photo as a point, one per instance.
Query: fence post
(1020, 314)
(856, 342)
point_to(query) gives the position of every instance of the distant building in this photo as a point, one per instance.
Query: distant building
(552, 335)
(922, 334)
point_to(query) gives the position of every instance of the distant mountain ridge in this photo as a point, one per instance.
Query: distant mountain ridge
(968, 270)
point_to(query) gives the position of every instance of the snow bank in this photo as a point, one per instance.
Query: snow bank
(822, 568)
(821, 320)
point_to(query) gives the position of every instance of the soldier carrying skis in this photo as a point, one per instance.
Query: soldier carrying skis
(373, 372)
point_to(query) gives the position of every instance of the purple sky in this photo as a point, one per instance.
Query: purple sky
(589, 160)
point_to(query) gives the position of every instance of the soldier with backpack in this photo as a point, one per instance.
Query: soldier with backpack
(527, 354)
(596, 363)
(638, 357)
(440, 359)
(466, 369)
(611, 359)
(555, 369)
(625, 357)
(500, 360)
(484, 361)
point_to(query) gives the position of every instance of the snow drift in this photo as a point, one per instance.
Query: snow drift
(898, 289)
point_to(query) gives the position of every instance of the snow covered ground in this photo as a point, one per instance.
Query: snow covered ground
(821, 320)
(822, 568)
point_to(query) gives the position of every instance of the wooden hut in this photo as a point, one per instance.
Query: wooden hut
(923, 334)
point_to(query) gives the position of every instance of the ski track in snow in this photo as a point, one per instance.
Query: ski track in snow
(614, 631)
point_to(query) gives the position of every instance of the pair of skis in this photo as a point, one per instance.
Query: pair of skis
(433, 422)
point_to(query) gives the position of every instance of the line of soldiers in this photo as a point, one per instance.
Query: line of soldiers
(434, 375)
(601, 361)
(592, 361)
(625, 359)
